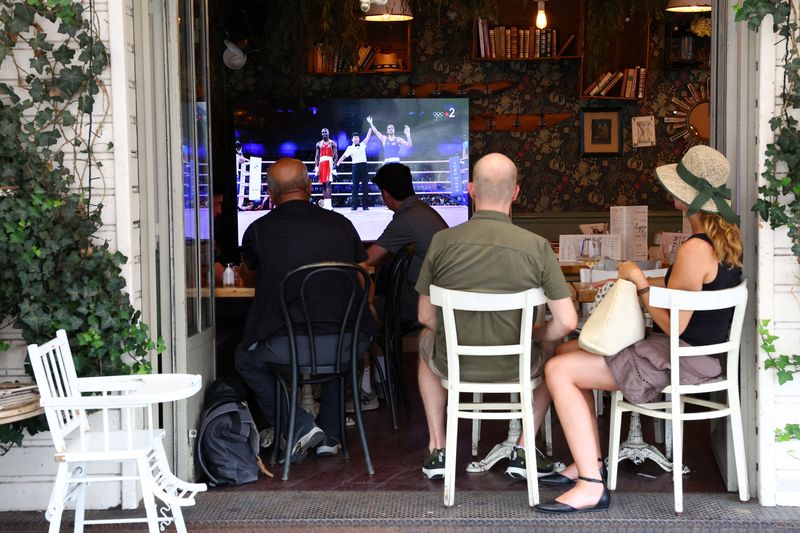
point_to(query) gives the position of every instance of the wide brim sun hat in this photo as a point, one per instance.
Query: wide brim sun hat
(699, 180)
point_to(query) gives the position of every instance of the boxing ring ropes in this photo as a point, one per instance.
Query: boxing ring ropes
(435, 177)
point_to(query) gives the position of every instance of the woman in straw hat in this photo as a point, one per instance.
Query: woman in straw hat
(709, 260)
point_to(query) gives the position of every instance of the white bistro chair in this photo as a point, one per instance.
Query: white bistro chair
(450, 301)
(673, 409)
(67, 401)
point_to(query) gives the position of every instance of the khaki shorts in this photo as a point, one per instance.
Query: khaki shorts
(427, 339)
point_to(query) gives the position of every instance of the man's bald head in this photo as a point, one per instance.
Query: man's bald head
(494, 181)
(287, 176)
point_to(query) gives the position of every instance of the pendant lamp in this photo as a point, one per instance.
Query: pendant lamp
(688, 6)
(392, 11)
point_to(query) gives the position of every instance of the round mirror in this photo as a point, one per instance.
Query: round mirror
(691, 120)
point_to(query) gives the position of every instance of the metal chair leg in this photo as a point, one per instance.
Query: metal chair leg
(359, 420)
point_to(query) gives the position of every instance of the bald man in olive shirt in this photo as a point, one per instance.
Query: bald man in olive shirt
(486, 254)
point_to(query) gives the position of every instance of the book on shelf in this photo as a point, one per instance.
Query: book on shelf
(591, 87)
(565, 44)
(601, 83)
(630, 82)
(481, 43)
(500, 32)
(641, 81)
(611, 83)
(487, 42)
(508, 43)
(514, 40)
(492, 43)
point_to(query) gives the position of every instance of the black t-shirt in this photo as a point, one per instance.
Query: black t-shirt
(294, 234)
(710, 327)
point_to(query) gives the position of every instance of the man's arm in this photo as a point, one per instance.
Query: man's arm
(316, 159)
(344, 155)
(565, 319)
(407, 133)
(249, 275)
(426, 312)
(372, 128)
(376, 254)
(335, 150)
(366, 139)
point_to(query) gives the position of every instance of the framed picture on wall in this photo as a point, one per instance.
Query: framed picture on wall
(601, 132)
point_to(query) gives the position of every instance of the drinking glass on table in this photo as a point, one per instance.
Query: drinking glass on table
(591, 253)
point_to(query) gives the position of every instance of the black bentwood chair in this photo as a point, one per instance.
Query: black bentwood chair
(395, 327)
(325, 341)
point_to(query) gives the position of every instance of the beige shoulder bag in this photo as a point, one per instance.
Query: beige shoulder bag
(616, 323)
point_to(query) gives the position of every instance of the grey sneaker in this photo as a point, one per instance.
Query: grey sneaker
(369, 402)
(433, 463)
(517, 467)
(306, 441)
(328, 448)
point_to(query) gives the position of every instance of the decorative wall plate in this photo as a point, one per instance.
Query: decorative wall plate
(690, 122)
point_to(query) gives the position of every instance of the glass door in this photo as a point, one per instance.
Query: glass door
(197, 207)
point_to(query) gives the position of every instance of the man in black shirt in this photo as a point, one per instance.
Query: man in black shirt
(293, 234)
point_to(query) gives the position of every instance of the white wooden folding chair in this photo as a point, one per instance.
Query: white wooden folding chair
(681, 395)
(450, 301)
(67, 401)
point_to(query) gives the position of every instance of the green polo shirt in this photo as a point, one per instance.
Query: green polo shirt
(488, 254)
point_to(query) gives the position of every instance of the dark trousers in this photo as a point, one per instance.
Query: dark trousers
(253, 366)
(360, 176)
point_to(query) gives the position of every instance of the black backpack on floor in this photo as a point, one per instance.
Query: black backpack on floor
(227, 443)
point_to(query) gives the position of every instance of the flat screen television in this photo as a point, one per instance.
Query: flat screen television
(438, 155)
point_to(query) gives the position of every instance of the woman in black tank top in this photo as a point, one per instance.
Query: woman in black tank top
(709, 260)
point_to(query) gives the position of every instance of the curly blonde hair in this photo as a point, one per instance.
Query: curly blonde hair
(726, 239)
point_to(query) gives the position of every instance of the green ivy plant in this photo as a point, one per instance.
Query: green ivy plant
(779, 197)
(54, 273)
(786, 366)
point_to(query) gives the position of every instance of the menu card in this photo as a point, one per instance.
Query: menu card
(594, 229)
(569, 247)
(630, 223)
(254, 179)
(671, 241)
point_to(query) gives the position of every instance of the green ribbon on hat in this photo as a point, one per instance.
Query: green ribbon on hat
(706, 192)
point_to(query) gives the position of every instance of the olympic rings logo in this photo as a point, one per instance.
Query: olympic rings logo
(438, 114)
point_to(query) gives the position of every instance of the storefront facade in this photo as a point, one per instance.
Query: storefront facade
(156, 195)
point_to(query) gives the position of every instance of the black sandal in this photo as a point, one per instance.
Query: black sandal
(556, 507)
(560, 480)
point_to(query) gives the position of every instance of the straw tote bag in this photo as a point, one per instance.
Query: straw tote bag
(616, 323)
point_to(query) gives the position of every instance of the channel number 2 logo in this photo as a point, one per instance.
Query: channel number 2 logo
(450, 113)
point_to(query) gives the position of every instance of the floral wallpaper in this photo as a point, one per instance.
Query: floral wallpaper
(555, 178)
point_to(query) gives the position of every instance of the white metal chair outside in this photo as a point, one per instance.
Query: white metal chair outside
(673, 410)
(77, 444)
(450, 301)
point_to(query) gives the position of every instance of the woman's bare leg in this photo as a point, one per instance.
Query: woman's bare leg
(571, 378)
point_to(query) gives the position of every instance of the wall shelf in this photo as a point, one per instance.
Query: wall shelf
(627, 51)
(513, 36)
(386, 41)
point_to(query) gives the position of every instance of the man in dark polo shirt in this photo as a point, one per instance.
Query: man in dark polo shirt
(293, 234)
(414, 222)
(486, 254)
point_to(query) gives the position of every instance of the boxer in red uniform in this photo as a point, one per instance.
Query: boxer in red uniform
(323, 165)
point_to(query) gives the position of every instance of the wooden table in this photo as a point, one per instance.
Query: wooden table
(584, 292)
(234, 292)
(19, 401)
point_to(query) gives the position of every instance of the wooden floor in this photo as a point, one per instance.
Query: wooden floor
(397, 458)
